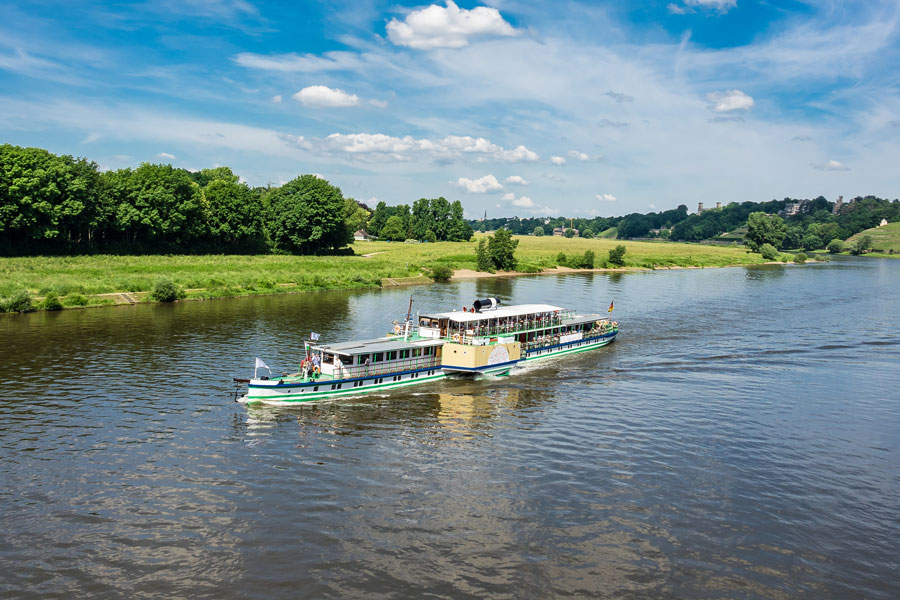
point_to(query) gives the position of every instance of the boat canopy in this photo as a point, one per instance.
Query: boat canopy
(503, 312)
(384, 344)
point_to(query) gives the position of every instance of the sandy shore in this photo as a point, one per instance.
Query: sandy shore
(459, 274)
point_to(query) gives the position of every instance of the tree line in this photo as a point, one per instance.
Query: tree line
(61, 204)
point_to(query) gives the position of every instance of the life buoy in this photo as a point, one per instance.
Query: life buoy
(455, 337)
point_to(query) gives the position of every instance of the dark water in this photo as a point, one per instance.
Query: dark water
(741, 439)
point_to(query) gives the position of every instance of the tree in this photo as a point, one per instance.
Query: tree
(765, 229)
(617, 256)
(835, 246)
(235, 215)
(811, 241)
(483, 261)
(861, 245)
(587, 234)
(355, 216)
(569, 233)
(502, 250)
(306, 215)
(393, 230)
(538, 231)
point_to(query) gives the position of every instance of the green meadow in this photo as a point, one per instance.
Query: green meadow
(83, 280)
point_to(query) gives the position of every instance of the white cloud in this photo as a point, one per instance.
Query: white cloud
(831, 165)
(720, 6)
(557, 160)
(652, 206)
(320, 96)
(378, 103)
(91, 137)
(488, 183)
(578, 155)
(524, 202)
(620, 97)
(605, 197)
(276, 99)
(378, 146)
(447, 26)
(610, 123)
(295, 63)
(516, 180)
(729, 101)
(508, 196)
(166, 155)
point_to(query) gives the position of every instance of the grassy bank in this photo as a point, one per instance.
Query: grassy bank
(98, 280)
(885, 240)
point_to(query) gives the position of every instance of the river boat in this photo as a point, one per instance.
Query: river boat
(485, 340)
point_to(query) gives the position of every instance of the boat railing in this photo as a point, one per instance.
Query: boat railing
(556, 320)
(387, 367)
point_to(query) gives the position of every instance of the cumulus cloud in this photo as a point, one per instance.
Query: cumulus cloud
(528, 205)
(276, 99)
(524, 202)
(320, 96)
(447, 26)
(605, 197)
(619, 97)
(578, 155)
(557, 160)
(166, 155)
(507, 197)
(516, 180)
(728, 101)
(831, 165)
(379, 147)
(488, 183)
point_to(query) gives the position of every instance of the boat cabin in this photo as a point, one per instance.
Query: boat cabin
(385, 355)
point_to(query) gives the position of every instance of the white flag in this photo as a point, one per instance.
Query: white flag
(260, 363)
(313, 336)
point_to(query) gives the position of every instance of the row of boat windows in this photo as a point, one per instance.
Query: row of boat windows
(378, 357)
(361, 383)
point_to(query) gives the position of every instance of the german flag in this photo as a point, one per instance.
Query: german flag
(610, 307)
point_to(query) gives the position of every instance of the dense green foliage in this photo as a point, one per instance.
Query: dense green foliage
(439, 272)
(502, 250)
(584, 261)
(836, 246)
(165, 290)
(538, 231)
(862, 245)
(431, 220)
(765, 229)
(768, 251)
(59, 204)
(800, 258)
(18, 301)
(483, 260)
(617, 256)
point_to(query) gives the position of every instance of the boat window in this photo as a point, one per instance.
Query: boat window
(361, 359)
(392, 355)
(404, 354)
(379, 357)
(416, 352)
(328, 357)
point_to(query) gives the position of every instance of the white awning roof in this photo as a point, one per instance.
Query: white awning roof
(496, 313)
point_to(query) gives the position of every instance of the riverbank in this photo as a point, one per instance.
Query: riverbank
(105, 280)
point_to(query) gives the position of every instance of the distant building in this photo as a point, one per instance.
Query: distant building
(795, 208)
(361, 236)
(699, 208)
(718, 206)
(883, 223)
(562, 230)
(837, 206)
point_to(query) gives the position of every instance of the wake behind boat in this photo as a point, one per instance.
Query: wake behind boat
(486, 339)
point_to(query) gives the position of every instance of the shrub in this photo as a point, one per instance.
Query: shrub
(800, 258)
(617, 256)
(835, 246)
(861, 245)
(569, 233)
(20, 301)
(562, 259)
(51, 302)
(587, 234)
(440, 272)
(539, 231)
(165, 290)
(584, 262)
(482, 259)
(430, 236)
(768, 252)
(75, 300)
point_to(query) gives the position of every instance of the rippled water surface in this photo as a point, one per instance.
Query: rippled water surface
(741, 439)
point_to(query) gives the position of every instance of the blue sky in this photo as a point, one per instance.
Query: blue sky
(517, 108)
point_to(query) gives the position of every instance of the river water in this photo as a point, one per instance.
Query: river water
(741, 439)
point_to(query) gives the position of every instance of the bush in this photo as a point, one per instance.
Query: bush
(835, 246)
(617, 256)
(768, 252)
(569, 233)
(165, 290)
(562, 259)
(430, 236)
(538, 231)
(861, 245)
(587, 234)
(482, 259)
(20, 301)
(800, 258)
(75, 300)
(584, 262)
(51, 302)
(440, 273)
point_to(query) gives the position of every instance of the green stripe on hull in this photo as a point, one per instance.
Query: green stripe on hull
(570, 351)
(298, 398)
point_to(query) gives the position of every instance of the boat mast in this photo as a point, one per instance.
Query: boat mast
(408, 317)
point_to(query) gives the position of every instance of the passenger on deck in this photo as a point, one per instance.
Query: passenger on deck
(367, 364)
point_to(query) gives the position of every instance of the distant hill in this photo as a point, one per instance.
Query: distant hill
(610, 233)
(884, 239)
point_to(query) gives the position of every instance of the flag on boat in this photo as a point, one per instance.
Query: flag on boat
(610, 307)
(260, 363)
(313, 336)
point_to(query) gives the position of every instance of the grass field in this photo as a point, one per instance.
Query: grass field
(884, 239)
(81, 280)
